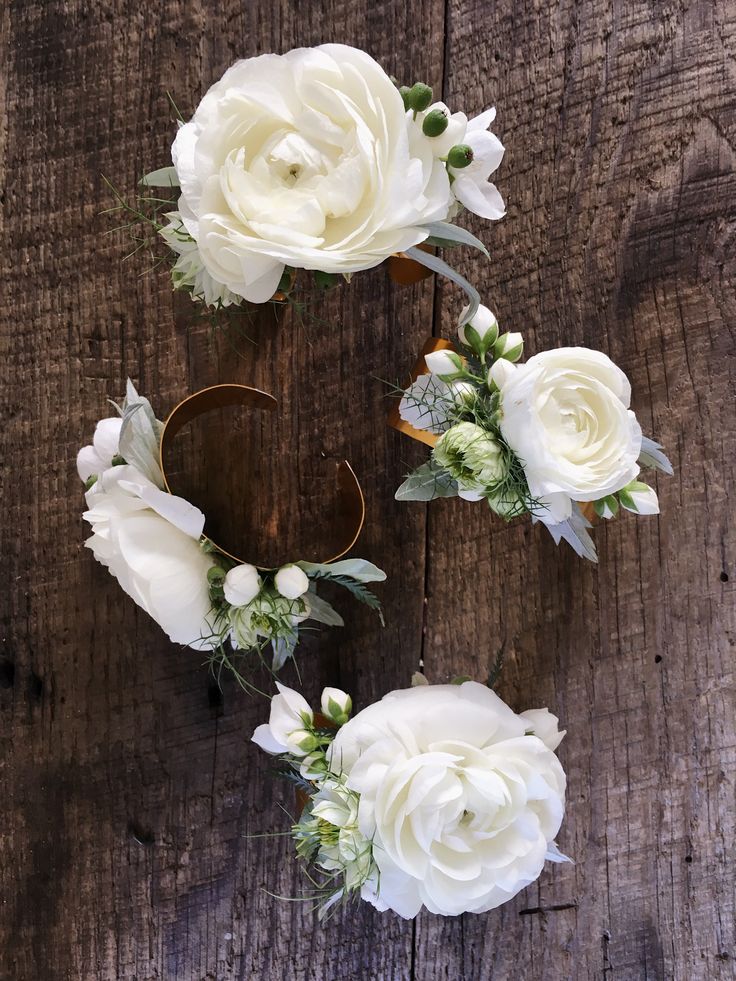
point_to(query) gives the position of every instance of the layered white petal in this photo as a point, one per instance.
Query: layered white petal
(461, 804)
(151, 546)
(306, 159)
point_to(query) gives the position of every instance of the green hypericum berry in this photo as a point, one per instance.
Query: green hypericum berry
(90, 481)
(419, 97)
(118, 461)
(460, 156)
(215, 575)
(435, 123)
(404, 91)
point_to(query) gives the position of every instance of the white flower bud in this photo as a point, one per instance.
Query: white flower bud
(336, 705)
(301, 742)
(639, 498)
(242, 584)
(443, 363)
(314, 766)
(484, 324)
(463, 392)
(509, 346)
(501, 371)
(607, 507)
(291, 582)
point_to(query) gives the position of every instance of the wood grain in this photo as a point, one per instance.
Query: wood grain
(129, 791)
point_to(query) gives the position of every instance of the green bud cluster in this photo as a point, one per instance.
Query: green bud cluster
(417, 98)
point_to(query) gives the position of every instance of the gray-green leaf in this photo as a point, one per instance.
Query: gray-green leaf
(438, 265)
(651, 456)
(427, 483)
(164, 177)
(445, 232)
(358, 569)
(321, 611)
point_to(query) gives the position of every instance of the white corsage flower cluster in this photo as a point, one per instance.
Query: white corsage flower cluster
(153, 543)
(553, 437)
(437, 797)
(316, 160)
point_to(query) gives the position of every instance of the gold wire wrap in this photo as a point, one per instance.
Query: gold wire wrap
(350, 509)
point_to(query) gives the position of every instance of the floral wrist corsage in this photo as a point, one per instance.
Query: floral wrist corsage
(316, 160)
(438, 796)
(154, 544)
(553, 437)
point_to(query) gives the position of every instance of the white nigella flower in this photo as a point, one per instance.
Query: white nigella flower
(94, 459)
(470, 186)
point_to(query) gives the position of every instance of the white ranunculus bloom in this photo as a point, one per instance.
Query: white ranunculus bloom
(149, 540)
(242, 584)
(304, 159)
(290, 712)
(94, 459)
(565, 413)
(461, 805)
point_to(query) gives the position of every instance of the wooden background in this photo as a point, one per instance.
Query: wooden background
(129, 787)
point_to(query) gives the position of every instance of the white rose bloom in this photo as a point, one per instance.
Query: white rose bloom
(149, 540)
(242, 584)
(461, 805)
(96, 458)
(289, 713)
(471, 187)
(565, 413)
(304, 159)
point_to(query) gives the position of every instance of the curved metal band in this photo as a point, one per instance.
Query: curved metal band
(350, 500)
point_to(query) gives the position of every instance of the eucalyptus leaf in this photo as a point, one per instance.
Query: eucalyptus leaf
(575, 532)
(321, 611)
(445, 231)
(283, 649)
(427, 483)
(164, 177)
(651, 456)
(438, 265)
(358, 569)
(140, 435)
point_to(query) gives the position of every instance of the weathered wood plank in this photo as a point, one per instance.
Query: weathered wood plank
(128, 785)
(621, 187)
